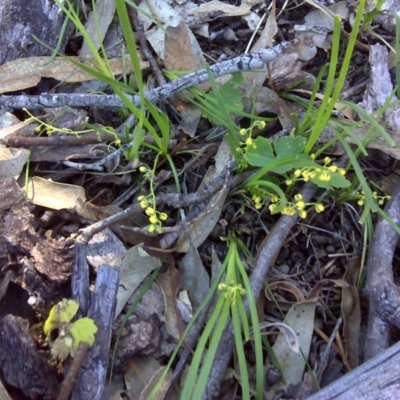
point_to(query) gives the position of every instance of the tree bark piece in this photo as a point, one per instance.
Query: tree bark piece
(91, 380)
(378, 378)
(20, 19)
(383, 293)
(21, 364)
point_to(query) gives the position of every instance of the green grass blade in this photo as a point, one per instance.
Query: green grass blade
(218, 329)
(237, 332)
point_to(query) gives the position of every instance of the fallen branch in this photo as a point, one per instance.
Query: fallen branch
(245, 62)
(384, 294)
(376, 379)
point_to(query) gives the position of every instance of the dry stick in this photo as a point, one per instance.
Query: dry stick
(60, 140)
(383, 293)
(266, 258)
(241, 63)
(92, 375)
(145, 49)
(173, 200)
(69, 380)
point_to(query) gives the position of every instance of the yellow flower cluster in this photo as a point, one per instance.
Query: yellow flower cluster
(299, 205)
(260, 198)
(361, 198)
(232, 291)
(156, 218)
(249, 141)
(323, 173)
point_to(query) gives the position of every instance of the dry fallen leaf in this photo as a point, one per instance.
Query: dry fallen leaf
(27, 72)
(226, 10)
(97, 25)
(12, 161)
(53, 195)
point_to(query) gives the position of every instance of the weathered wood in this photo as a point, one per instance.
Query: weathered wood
(20, 19)
(22, 365)
(378, 378)
(44, 264)
(91, 380)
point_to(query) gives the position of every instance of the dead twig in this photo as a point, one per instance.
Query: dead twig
(383, 293)
(73, 370)
(241, 63)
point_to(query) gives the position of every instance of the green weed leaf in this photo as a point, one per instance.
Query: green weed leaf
(82, 330)
(231, 94)
(263, 154)
(60, 313)
(70, 334)
(288, 146)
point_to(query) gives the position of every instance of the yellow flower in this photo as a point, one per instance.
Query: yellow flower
(288, 211)
(333, 168)
(274, 198)
(325, 176)
(303, 214)
(327, 160)
(312, 156)
(150, 211)
(243, 131)
(300, 205)
(258, 206)
(144, 204)
(260, 124)
(297, 173)
(319, 207)
(342, 171)
(249, 141)
(272, 207)
(153, 219)
(298, 197)
(361, 202)
(163, 216)
(151, 228)
(222, 286)
(289, 182)
(143, 168)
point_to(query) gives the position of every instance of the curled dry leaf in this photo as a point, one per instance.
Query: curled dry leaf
(27, 72)
(54, 195)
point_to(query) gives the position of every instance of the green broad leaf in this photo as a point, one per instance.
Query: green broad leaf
(82, 330)
(60, 313)
(262, 155)
(336, 181)
(297, 162)
(288, 146)
(231, 94)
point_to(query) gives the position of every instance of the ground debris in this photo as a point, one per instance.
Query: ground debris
(21, 364)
